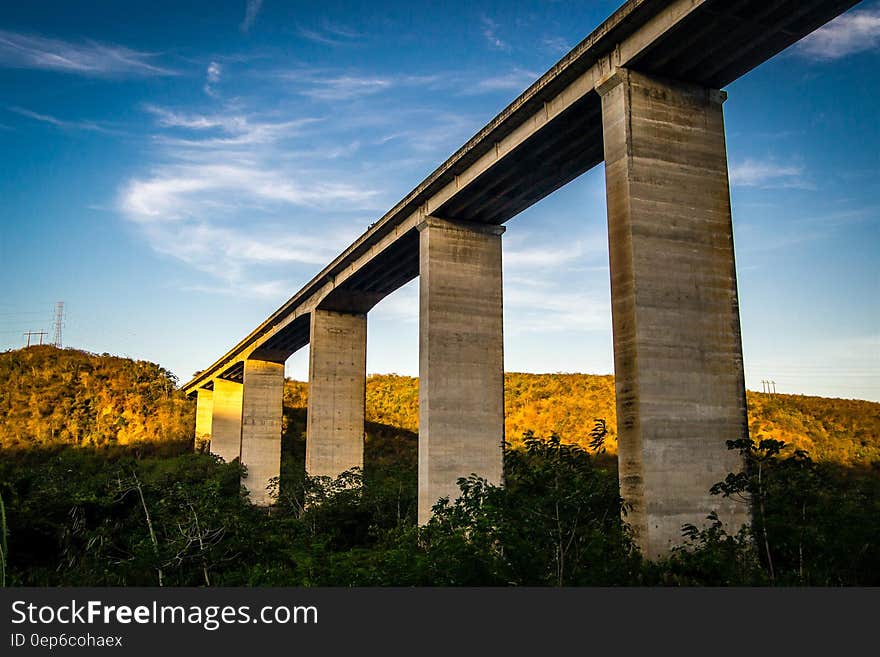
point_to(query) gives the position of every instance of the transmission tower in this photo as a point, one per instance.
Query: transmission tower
(59, 322)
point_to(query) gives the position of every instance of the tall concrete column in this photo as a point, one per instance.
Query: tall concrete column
(226, 420)
(204, 414)
(461, 358)
(261, 426)
(677, 346)
(337, 393)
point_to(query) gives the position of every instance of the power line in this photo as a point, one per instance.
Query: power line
(29, 334)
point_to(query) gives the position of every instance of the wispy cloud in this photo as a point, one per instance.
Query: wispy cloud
(223, 130)
(769, 174)
(331, 34)
(228, 199)
(256, 198)
(544, 256)
(490, 33)
(535, 294)
(251, 10)
(516, 80)
(333, 85)
(547, 308)
(556, 45)
(89, 126)
(346, 87)
(89, 58)
(179, 192)
(212, 78)
(855, 31)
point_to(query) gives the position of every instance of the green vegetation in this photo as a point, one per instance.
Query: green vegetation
(89, 509)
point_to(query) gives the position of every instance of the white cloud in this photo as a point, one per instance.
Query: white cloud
(226, 129)
(490, 33)
(209, 247)
(214, 70)
(541, 288)
(768, 174)
(174, 119)
(89, 126)
(516, 80)
(229, 199)
(179, 191)
(251, 10)
(546, 307)
(556, 45)
(546, 256)
(346, 87)
(331, 34)
(856, 31)
(252, 199)
(89, 59)
(212, 77)
(274, 289)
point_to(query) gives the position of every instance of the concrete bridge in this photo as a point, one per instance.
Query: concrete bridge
(642, 93)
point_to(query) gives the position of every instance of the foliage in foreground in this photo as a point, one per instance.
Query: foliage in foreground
(138, 517)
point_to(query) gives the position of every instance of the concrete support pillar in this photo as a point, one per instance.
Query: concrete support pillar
(261, 426)
(226, 420)
(337, 393)
(677, 346)
(461, 358)
(204, 414)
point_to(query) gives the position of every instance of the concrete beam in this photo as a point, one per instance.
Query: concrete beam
(226, 420)
(261, 427)
(533, 146)
(204, 415)
(461, 358)
(337, 393)
(677, 346)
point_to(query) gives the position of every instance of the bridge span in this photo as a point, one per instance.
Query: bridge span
(641, 92)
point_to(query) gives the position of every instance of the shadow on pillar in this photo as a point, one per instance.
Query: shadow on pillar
(677, 346)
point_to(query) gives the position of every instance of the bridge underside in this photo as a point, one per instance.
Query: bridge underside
(639, 93)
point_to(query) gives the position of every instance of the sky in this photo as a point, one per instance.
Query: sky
(174, 172)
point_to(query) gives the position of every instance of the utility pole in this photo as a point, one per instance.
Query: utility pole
(59, 322)
(30, 334)
(773, 383)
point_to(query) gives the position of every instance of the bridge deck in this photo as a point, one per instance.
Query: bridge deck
(545, 138)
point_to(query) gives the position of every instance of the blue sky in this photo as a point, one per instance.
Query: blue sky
(175, 171)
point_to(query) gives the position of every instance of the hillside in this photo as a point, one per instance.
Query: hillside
(150, 511)
(844, 431)
(52, 396)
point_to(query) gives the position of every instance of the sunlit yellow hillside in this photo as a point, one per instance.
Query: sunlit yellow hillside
(846, 431)
(52, 396)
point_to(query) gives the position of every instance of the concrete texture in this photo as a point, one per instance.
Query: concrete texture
(337, 393)
(461, 358)
(204, 414)
(677, 346)
(226, 420)
(261, 427)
